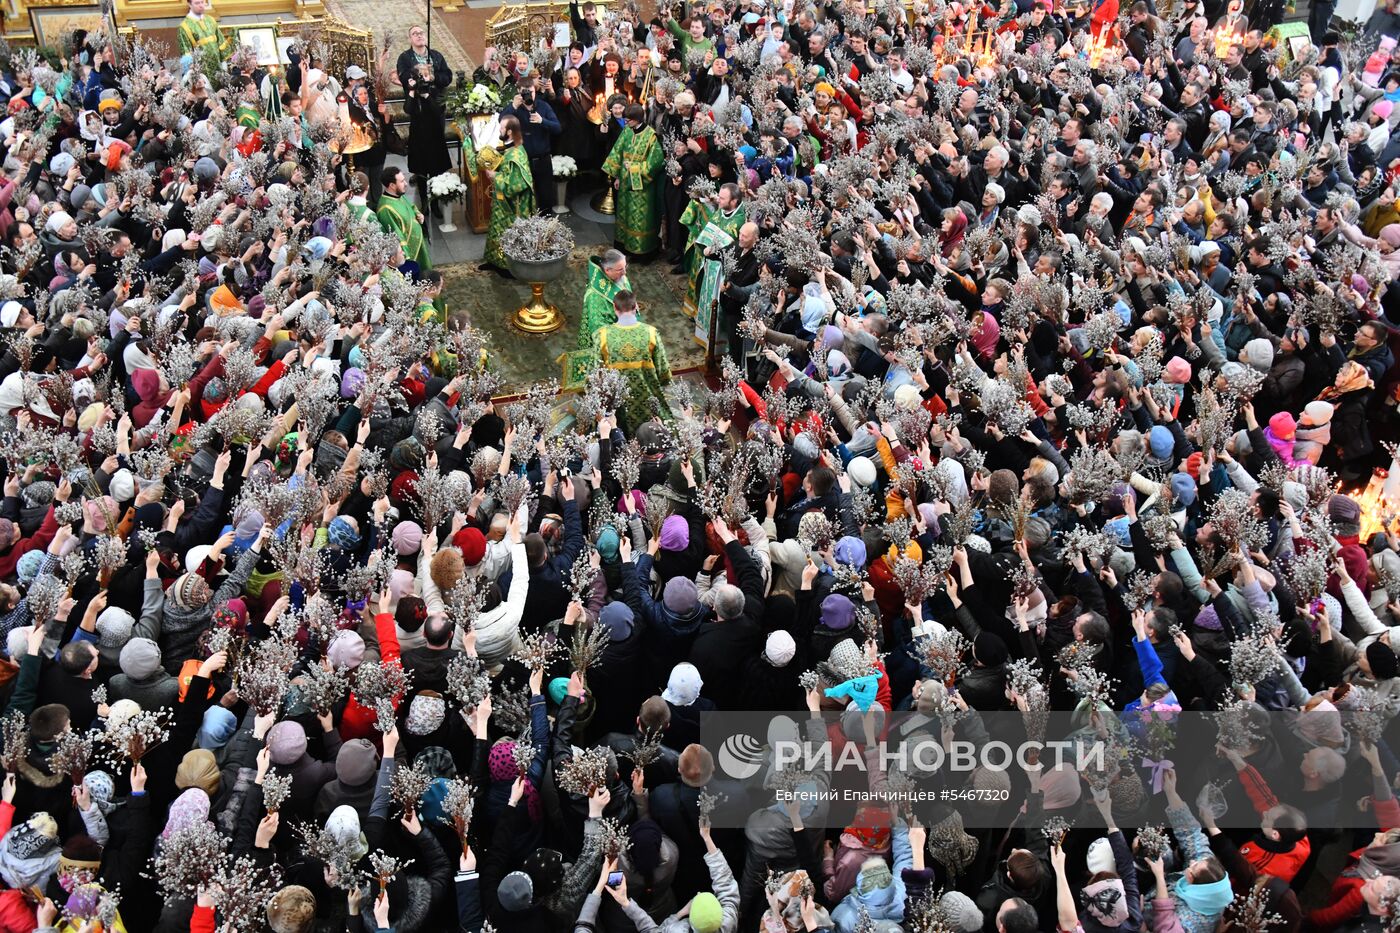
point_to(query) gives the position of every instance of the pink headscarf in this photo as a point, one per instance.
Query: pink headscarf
(1390, 234)
(189, 808)
(502, 767)
(1060, 787)
(985, 337)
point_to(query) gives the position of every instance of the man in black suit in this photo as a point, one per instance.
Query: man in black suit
(737, 288)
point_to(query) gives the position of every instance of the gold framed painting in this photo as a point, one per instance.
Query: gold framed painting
(54, 25)
(263, 41)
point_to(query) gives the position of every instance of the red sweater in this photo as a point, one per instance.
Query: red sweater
(202, 920)
(1282, 865)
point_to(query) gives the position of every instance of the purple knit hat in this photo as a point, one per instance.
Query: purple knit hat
(675, 534)
(1208, 618)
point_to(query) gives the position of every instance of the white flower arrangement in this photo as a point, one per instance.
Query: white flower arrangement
(446, 187)
(483, 98)
(564, 166)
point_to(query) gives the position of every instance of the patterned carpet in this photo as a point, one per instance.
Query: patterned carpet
(524, 358)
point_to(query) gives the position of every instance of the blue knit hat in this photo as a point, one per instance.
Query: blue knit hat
(28, 566)
(1183, 488)
(1161, 441)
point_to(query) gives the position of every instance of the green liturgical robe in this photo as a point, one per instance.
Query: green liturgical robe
(636, 351)
(397, 215)
(197, 32)
(598, 303)
(636, 161)
(513, 197)
(697, 215)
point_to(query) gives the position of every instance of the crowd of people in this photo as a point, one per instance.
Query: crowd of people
(1058, 389)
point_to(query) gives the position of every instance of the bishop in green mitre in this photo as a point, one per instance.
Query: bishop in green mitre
(635, 350)
(199, 29)
(398, 216)
(728, 214)
(607, 276)
(634, 165)
(512, 190)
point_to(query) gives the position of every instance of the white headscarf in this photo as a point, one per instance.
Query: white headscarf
(57, 220)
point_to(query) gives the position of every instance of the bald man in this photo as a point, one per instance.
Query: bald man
(735, 291)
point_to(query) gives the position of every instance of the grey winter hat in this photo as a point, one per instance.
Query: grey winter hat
(140, 658)
(516, 892)
(114, 626)
(961, 912)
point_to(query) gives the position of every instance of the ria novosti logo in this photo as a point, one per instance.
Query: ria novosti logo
(741, 756)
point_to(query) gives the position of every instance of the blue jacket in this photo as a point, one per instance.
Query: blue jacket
(665, 624)
(881, 903)
(538, 136)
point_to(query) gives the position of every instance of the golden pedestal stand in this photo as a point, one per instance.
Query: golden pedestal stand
(603, 201)
(537, 316)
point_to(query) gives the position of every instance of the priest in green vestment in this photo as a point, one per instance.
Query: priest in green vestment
(357, 205)
(199, 29)
(634, 165)
(635, 350)
(607, 276)
(512, 191)
(397, 215)
(249, 113)
(728, 214)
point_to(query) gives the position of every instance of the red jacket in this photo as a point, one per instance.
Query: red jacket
(16, 913)
(35, 542)
(358, 720)
(1282, 865)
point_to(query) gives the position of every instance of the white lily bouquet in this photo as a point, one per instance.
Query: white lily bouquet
(564, 166)
(446, 187)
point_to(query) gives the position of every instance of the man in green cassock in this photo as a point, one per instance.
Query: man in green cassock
(512, 191)
(607, 276)
(634, 165)
(397, 215)
(357, 204)
(635, 350)
(727, 214)
(199, 29)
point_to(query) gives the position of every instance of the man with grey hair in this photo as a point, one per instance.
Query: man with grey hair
(736, 631)
(607, 275)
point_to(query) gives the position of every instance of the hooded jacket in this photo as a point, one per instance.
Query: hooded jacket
(670, 633)
(146, 382)
(878, 889)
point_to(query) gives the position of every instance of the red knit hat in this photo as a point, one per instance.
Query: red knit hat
(404, 489)
(472, 543)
